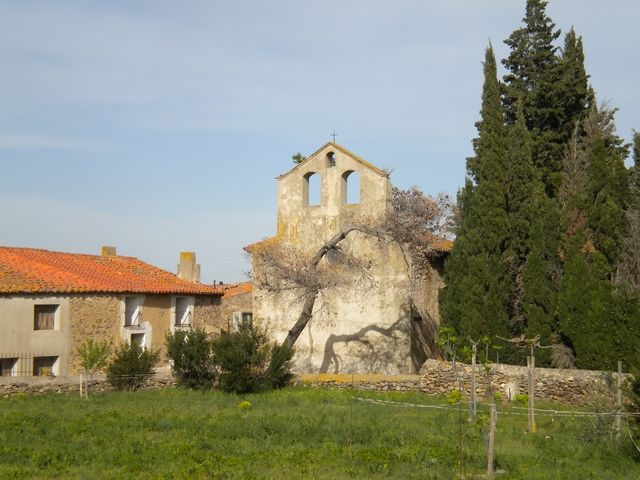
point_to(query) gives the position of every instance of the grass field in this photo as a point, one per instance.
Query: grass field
(290, 434)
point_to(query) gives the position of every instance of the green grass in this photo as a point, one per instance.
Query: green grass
(295, 433)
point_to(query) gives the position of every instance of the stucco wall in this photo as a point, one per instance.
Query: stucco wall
(18, 337)
(357, 326)
(311, 225)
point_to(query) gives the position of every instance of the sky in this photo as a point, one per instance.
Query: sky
(159, 126)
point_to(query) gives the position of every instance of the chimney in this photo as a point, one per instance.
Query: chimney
(108, 251)
(187, 268)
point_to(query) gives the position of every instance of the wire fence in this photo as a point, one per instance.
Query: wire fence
(605, 421)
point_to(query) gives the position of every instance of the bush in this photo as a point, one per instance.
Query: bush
(130, 366)
(191, 358)
(522, 399)
(249, 362)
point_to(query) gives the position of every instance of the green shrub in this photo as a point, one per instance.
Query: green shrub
(130, 366)
(191, 358)
(522, 399)
(454, 397)
(249, 362)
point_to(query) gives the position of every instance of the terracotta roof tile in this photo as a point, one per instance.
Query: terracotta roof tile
(30, 270)
(233, 289)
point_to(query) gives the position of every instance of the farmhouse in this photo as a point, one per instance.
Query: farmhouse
(386, 324)
(50, 302)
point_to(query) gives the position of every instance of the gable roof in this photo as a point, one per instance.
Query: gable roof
(30, 270)
(336, 146)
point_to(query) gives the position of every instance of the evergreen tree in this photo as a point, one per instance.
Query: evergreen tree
(551, 88)
(591, 313)
(607, 185)
(548, 229)
(474, 301)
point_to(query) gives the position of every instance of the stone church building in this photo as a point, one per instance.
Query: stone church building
(385, 324)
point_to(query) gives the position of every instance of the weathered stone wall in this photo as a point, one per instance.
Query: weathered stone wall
(206, 314)
(576, 387)
(71, 385)
(364, 323)
(223, 315)
(96, 317)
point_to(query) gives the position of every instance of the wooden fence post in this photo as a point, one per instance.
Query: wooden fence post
(474, 410)
(619, 400)
(531, 364)
(492, 437)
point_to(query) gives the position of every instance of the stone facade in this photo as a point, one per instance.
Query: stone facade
(207, 314)
(95, 317)
(237, 300)
(380, 328)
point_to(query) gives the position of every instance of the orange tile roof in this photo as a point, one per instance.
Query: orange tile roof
(233, 289)
(443, 245)
(30, 270)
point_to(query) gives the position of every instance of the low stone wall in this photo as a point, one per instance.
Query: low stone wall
(98, 384)
(577, 387)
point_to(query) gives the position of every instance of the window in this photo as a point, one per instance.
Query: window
(350, 188)
(238, 318)
(138, 339)
(331, 159)
(311, 189)
(44, 366)
(44, 317)
(183, 311)
(8, 367)
(133, 311)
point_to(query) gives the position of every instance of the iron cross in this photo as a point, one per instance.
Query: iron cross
(334, 135)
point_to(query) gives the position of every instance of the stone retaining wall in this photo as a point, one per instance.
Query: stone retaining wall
(98, 384)
(577, 387)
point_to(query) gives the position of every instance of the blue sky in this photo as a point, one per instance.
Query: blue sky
(161, 126)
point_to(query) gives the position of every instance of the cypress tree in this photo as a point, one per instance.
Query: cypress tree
(574, 94)
(474, 300)
(532, 81)
(591, 313)
(551, 87)
(531, 244)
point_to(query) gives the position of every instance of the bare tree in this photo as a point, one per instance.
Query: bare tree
(418, 224)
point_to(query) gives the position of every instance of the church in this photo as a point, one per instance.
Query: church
(377, 319)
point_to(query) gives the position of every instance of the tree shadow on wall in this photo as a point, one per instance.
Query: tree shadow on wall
(373, 354)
